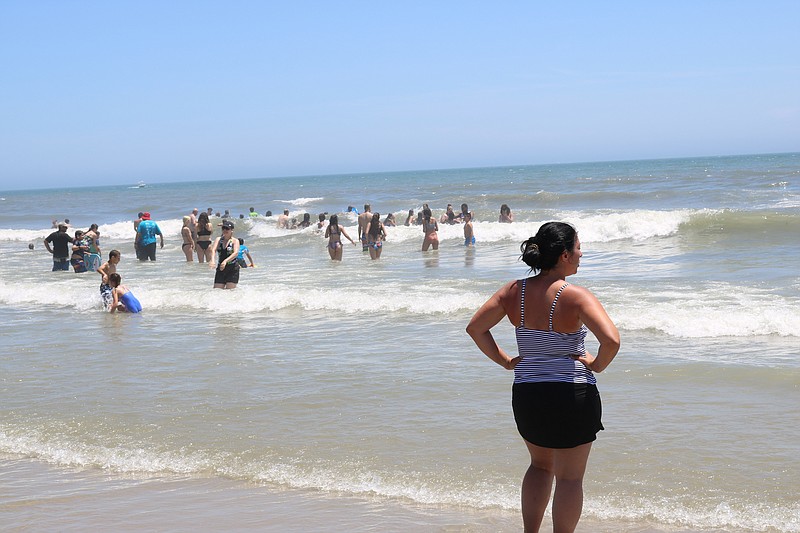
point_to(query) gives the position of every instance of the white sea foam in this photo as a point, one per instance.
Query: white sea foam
(746, 515)
(116, 231)
(355, 478)
(603, 227)
(712, 310)
(301, 202)
(638, 225)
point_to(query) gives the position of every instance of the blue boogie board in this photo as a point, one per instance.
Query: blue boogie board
(92, 262)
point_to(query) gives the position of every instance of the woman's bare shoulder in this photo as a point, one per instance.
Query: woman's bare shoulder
(578, 295)
(509, 290)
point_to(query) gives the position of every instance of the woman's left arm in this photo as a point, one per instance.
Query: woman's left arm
(115, 300)
(593, 314)
(235, 253)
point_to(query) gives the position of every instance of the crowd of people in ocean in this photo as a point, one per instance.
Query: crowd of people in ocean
(227, 254)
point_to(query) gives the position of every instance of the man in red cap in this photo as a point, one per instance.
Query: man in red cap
(146, 238)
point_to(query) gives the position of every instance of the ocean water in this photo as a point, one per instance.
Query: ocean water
(323, 396)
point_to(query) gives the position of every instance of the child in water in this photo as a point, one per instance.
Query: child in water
(469, 236)
(105, 270)
(124, 300)
(243, 250)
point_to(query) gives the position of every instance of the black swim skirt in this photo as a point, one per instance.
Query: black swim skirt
(229, 275)
(557, 415)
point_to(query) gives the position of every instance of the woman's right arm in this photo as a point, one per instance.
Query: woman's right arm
(213, 262)
(479, 328)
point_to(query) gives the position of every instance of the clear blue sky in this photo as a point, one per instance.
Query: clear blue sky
(119, 91)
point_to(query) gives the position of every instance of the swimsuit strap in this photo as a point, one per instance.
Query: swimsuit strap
(522, 305)
(553, 307)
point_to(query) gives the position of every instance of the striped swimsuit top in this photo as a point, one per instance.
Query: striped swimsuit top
(546, 354)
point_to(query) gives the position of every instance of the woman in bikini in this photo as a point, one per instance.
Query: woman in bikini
(334, 234)
(203, 245)
(429, 227)
(188, 241)
(376, 234)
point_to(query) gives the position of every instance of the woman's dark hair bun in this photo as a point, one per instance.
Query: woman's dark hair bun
(530, 252)
(541, 252)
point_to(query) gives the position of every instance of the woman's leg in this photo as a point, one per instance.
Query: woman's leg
(567, 466)
(536, 487)
(570, 466)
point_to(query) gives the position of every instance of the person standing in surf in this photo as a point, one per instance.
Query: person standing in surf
(188, 240)
(554, 397)
(203, 242)
(376, 234)
(430, 228)
(92, 236)
(60, 250)
(363, 221)
(469, 234)
(193, 223)
(226, 274)
(146, 238)
(79, 249)
(505, 215)
(105, 270)
(334, 234)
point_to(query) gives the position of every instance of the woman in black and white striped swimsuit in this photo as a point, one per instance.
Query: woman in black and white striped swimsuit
(556, 404)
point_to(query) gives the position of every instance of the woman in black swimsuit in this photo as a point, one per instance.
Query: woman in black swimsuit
(203, 245)
(226, 274)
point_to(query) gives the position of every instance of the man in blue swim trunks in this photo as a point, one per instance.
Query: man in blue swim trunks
(469, 237)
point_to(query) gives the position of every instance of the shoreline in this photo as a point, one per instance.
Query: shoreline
(42, 497)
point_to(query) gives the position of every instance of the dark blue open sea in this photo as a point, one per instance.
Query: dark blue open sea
(324, 396)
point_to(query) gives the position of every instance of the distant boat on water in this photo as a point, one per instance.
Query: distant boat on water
(140, 185)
